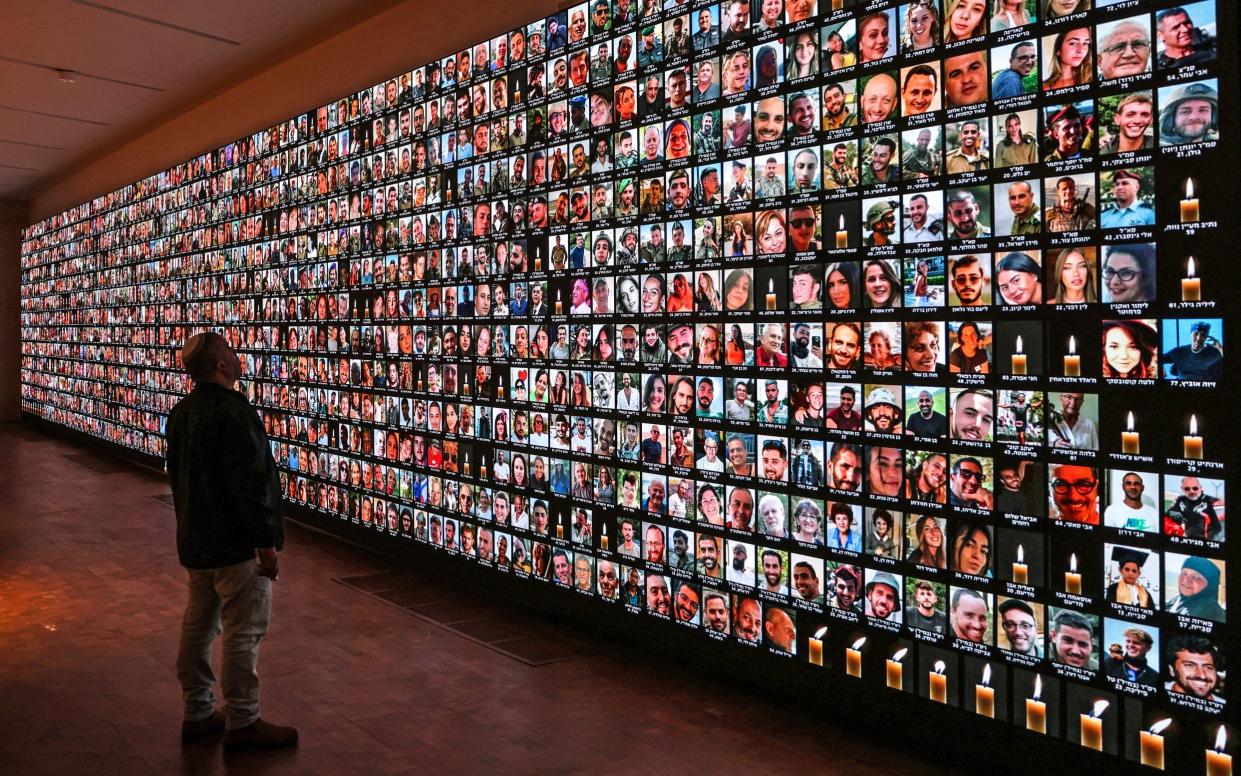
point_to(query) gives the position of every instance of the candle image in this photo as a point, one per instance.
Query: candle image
(465, 385)
(1019, 359)
(816, 647)
(420, 382)
(842, 234)
(1191, 284)
(482, 467)
(853, 658)
(771, 295)
(939, 683)
(838, 5)
(500, 390)
(984, 695)
(560, 527)
(1092, 727)
(1130, 442)
(466, 465)
(538, 263)
(1073, 580)
(1193, 442)
(1072, 362)
(1189, 205)
(603, 537)
(1152, 744)
(1020, 569)
(1218, 763)
(559, 305)
(1036, 709)
(896, 670)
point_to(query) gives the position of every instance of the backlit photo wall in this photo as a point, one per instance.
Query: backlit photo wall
(883, 337)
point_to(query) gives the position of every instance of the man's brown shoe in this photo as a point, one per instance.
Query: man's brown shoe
(193, 732)
(260, 735)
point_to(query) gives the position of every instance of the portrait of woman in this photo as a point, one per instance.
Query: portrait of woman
(654, 393)
(881, 540)
(1128, 274)
(653, 294)
(1017, 279)
(681, 299)
(880, 353)
(922, 346)
(929, 550)
(971, 549)
(836, 54)
(1007, 14)
(1129, 349)
(737, 290)
(709, 510)
(873, 37)
(628, 297)
(842, 285)
(1058, 9)
(706, 295)
(802, 59)
(737, 351)
(1074, 278)
(766, 66)
(1071, 61)
(772, 233)
(921, 25)
(964, 19)
(881, 283)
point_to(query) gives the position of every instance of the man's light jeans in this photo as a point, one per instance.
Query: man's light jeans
(235, 601)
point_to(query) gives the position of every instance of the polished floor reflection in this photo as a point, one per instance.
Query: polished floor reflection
(90, 600)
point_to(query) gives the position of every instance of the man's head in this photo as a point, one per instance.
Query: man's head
(882, 596)
(1020, 626)
(1023, 59)
(1124, 51)
(1194, 664)
(1072, 638)
(208, 357)
(969, 615)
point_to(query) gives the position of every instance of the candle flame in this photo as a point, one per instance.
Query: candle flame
(900, 654)
(1038, 686)
(819, 633)
(1160, 726)
(1021, 554)
(1018, 344)
(986, 675)
(1099, 708)
(858, 644)
(1130, 422)
(940, 666)
(1193, 425)
(1189, 267)
(842, 223)
(1221, 739)
(1189, 188)
(604, 528)
(771, 287)
(1072, 345)
(1073, 563)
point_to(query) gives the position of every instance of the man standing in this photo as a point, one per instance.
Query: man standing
(230, 525)
(1131, 513)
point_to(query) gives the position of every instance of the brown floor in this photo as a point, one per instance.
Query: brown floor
(90, 600)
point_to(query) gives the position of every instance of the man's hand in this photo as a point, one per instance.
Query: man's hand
(269, 564)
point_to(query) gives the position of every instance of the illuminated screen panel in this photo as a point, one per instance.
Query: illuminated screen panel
(884, 337)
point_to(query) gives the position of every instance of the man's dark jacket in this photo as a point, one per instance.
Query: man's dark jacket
(224, 480)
